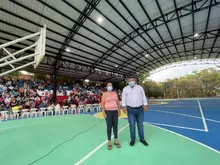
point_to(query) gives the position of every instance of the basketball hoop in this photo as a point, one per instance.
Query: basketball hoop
(38, 54)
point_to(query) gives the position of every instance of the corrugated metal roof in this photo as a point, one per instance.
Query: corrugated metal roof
(116, 36)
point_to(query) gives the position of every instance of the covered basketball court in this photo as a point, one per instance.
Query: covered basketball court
(109, 40)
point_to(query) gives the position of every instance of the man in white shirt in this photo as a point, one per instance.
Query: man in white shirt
(134, 103)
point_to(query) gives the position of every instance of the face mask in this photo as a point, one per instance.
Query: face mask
(109, 88)
(131, 83)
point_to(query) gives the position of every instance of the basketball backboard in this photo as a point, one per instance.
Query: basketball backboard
(38, 55)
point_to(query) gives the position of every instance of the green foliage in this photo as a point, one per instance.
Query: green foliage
(205, 83)
(153, 89)
(142, 78)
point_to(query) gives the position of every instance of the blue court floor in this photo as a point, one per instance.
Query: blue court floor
(198, 119)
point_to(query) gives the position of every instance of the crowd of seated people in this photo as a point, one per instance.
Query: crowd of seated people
(15, 93)
(24, 95)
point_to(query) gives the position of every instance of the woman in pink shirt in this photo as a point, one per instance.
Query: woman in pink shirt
(111, 110)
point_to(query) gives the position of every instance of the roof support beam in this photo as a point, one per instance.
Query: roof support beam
(152, 24)
(188, 39)
(190, 53)
(115, 47)
(87, 60)
(107, 69)
(48, 38)
(126, 8)
(180, 27)
(78, 24)
(122, 66)
(187, 63)
(161, 12)
(92, 5)
(118, 47)
(47, 66)
(217, 35)
(206, 27)
(136, 32)
(80, 21)
(170, 16)
(193, 24)
(163, 57)
(55, 22)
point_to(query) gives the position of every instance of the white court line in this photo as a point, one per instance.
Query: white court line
(203, 118)
(216, 121)
(175, 126)
(97, 148)
(186, 138)
(182, 114)
(18, 126)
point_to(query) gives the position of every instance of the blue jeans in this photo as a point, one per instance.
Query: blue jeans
(136, 115)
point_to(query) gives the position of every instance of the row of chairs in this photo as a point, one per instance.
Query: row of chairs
(34, 112)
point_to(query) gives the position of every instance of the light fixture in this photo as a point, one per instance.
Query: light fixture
(146, 55)
(116, 66)
(137, 72)
(195, 57)
(86, 80)
(24, 72)
(67, 49)
(196, 35)
(99, 19)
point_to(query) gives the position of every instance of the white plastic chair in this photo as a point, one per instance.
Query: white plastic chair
(57, 110)
(95, 107)
(50, 110)
(100, 107)
(65, 109)
(81, 108)
(42, 112)
(89, 108)
(5, 115)
(15, 114)
(33, 111)
(73, 109)
(24, 112)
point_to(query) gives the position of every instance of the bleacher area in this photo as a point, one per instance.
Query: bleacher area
(33, 98)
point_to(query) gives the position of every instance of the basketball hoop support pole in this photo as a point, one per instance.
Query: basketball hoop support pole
(55, 83)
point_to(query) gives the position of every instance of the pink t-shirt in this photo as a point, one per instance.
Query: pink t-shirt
(111, 101)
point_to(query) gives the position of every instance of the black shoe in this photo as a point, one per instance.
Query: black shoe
(132, 143)
(144, 142)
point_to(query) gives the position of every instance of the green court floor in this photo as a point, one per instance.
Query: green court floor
(49, 140)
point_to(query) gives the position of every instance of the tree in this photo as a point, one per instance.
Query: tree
(210, 81)
(153, 89)
(205, 83)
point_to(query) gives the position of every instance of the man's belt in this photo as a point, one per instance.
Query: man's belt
(135, 107)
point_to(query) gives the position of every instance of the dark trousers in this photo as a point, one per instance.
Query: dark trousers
(136, 115)
(112, 122)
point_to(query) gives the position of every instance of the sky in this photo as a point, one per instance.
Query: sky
(176, 72)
